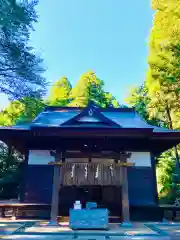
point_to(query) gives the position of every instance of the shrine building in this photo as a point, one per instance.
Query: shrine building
(92, 154)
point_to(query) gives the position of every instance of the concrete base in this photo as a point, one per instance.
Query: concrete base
(53, 223)
(165, 221)
(126, 224)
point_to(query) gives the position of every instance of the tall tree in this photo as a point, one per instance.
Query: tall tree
(31, 108)
(60, 92)
(139, 99)
(89, 87)
(163, 80)
(162, 84)
(20, 67)
(21, 112)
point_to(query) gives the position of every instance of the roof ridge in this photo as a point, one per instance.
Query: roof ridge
(108, 109)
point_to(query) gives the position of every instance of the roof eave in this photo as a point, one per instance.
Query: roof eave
(93, 131)
(167, 135)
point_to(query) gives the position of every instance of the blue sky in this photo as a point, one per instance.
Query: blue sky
(109, 37)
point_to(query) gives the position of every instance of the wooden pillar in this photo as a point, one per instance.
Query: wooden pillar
(125, 192)
(153, 165)
(55, 196)
(125, 195)
(55, 191)
(23, 173)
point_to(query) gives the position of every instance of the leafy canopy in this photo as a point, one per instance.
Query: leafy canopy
(157, 100)
(20, 67)
(90, 87)
(60, 92)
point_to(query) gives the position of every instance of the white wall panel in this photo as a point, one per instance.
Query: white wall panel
(141, 159)
(39, 157)
(42, 157)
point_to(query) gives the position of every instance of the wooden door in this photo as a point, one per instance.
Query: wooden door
(111, 199)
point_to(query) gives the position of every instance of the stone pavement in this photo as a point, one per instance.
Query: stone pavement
(31, 230)
(172, 229)
(6, 229)
(48, 237)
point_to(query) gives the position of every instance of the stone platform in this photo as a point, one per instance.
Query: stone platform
(27, 230)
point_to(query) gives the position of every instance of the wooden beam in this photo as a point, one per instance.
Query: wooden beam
(87, 154)
(90, 154)
(123, 164)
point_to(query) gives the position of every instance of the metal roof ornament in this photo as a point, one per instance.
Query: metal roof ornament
(90, 112)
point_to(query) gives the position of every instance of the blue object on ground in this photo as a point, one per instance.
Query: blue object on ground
(88, 218)
(90, 205)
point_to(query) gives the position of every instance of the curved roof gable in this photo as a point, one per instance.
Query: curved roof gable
(91, 116)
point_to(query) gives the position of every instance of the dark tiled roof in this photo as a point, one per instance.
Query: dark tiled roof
(54, 118)
(57, 117)
(125, 119)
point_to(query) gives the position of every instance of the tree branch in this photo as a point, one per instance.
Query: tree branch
(8, 69)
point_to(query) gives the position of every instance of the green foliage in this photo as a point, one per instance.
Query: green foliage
(20, 112)
(165, 168)
(89, 87)
(157, 100)
(163, 77)
(139, 99)
(10, 161)
(60, 93)
(31, 108)
(20, 67)
(10, 115)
